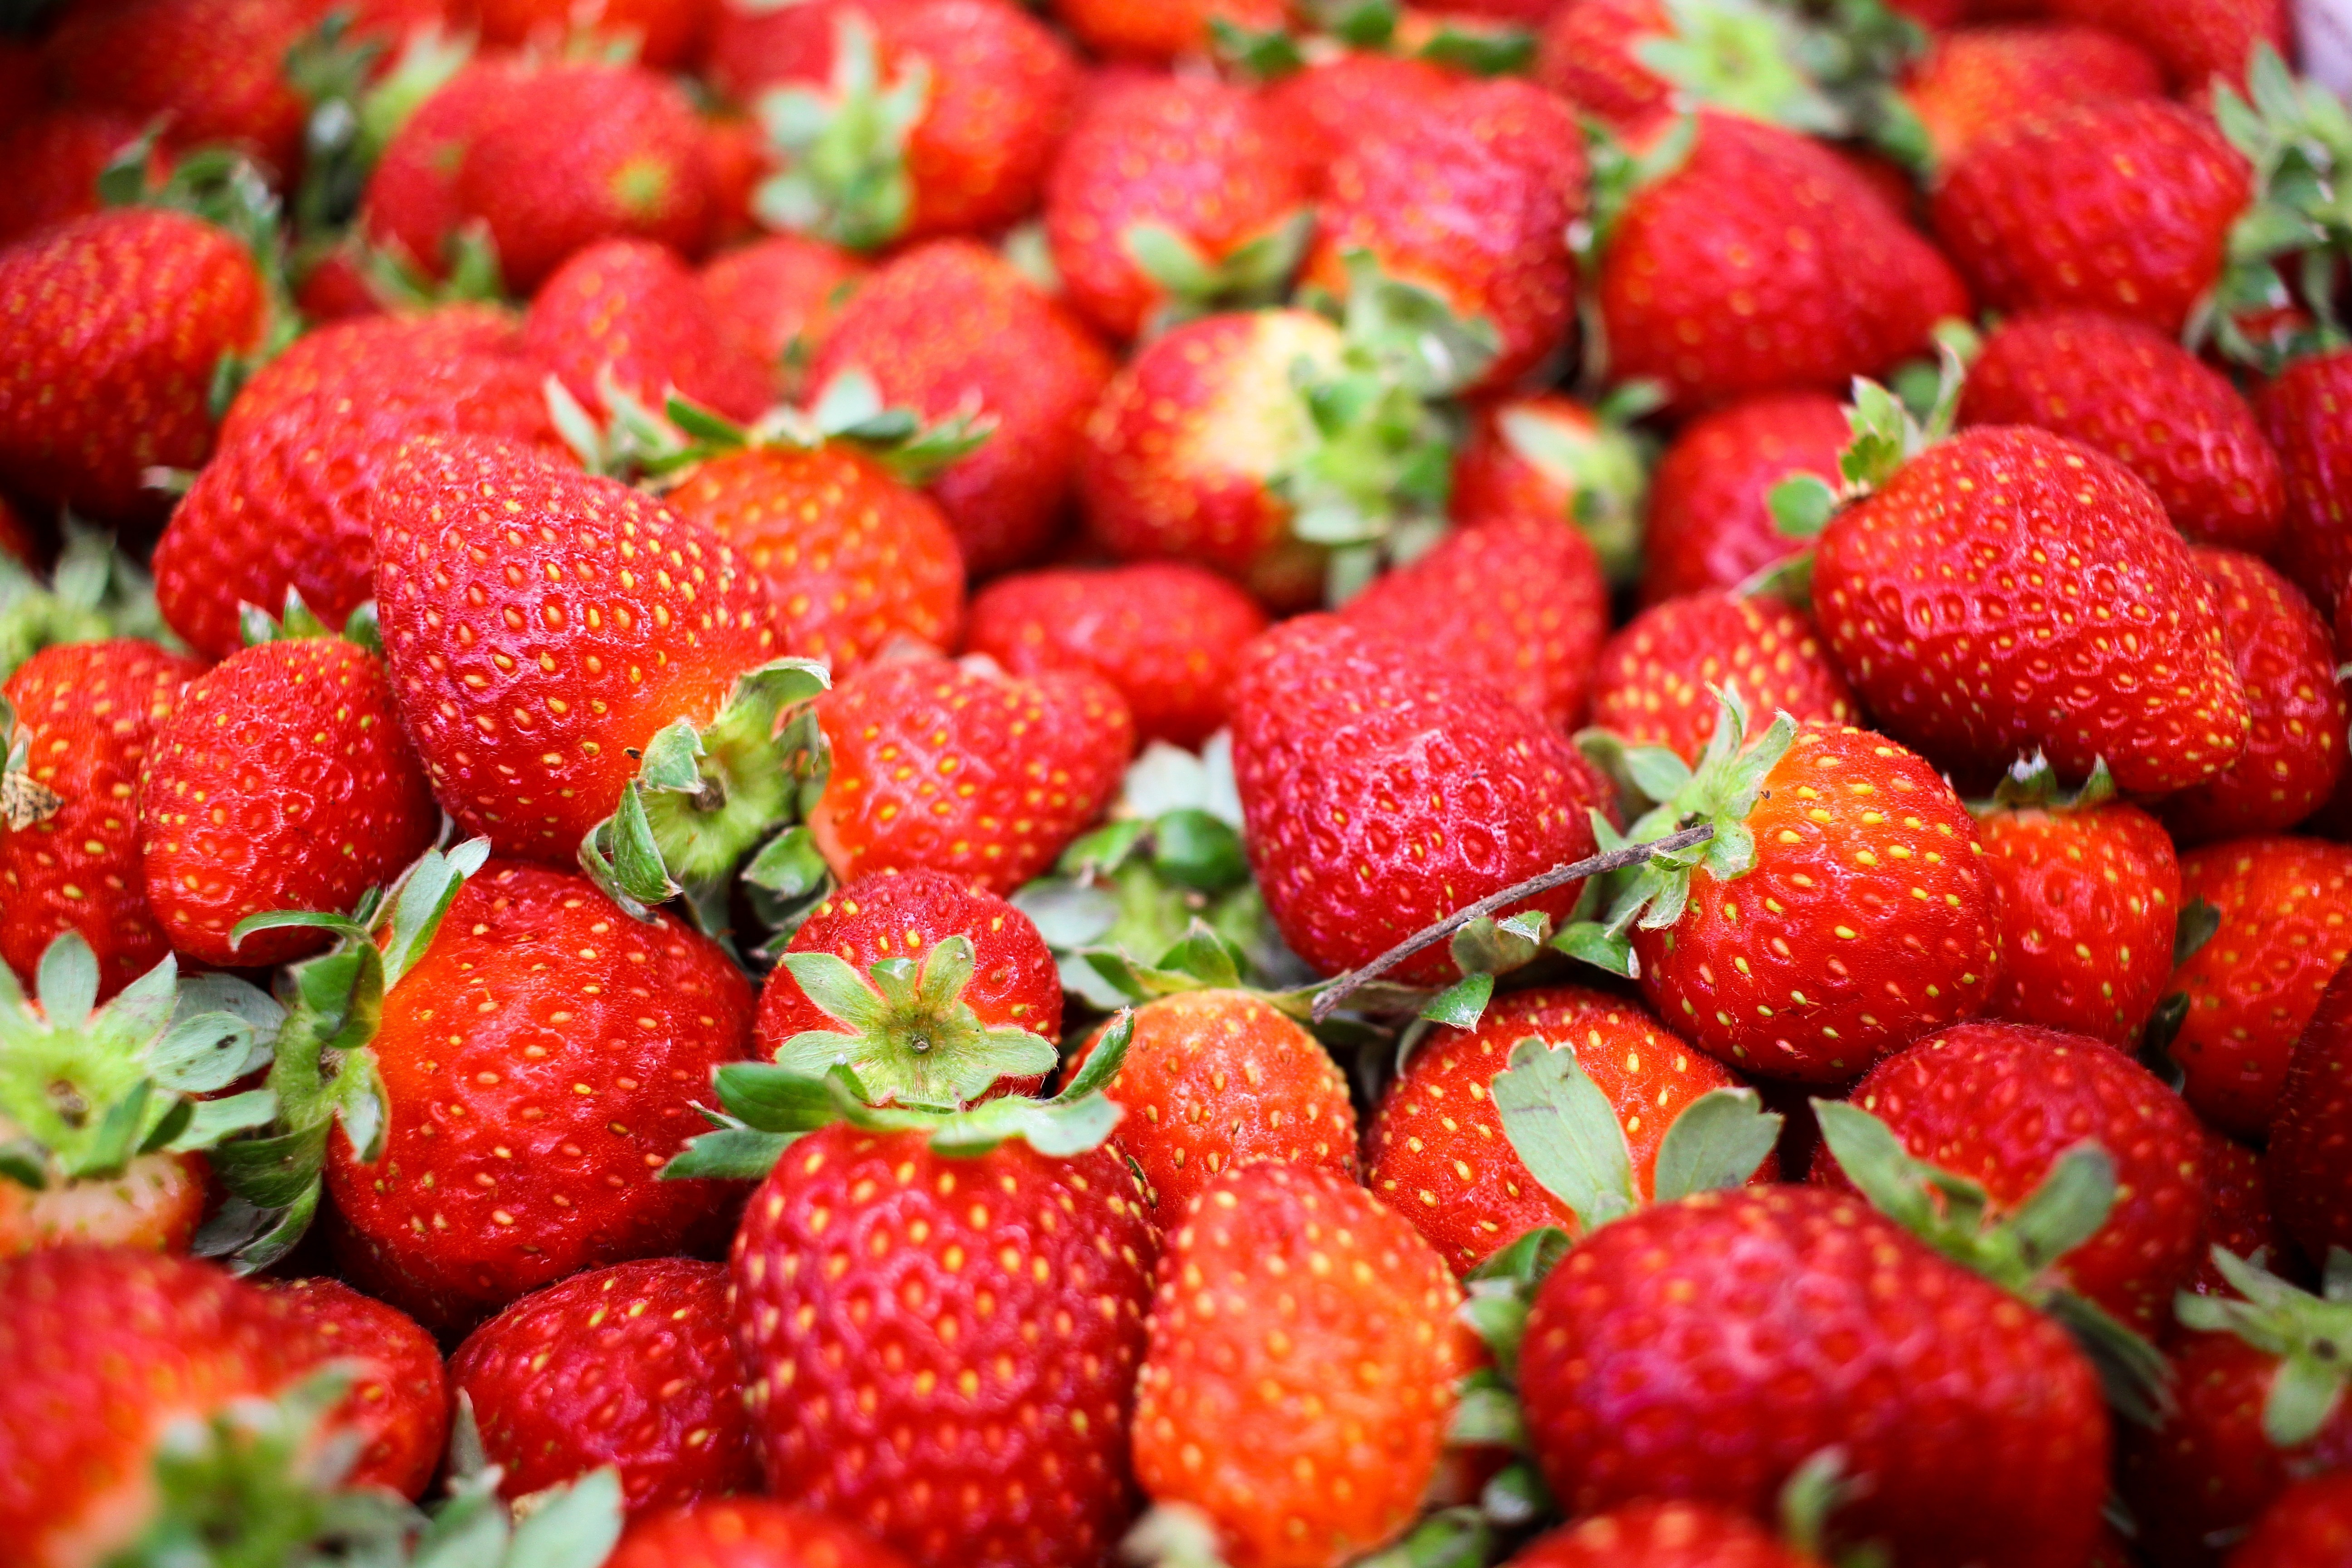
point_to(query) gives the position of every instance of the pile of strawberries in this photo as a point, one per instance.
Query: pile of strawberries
(1205, 783)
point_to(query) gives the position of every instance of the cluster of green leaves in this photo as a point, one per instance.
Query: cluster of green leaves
(2310, 1335)
(2298, 137)
(842, 149)
(96, 590)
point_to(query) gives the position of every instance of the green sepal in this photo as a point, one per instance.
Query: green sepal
(660, 444)
(906, 1032)
(354, 111)
(2298, 135)
(1449, 1538)
(2033, 783)
(2194, 927)
(1744, 56)
(95, 590)
(2310, 1335)
(1620, 174)
(843, 151)
(1717, 1142)
(1566, 1132)
(1260, 55)
(1200, 959)
(1461, 1004)
(1479, 50)
(1499, 1291)
(296, 622)
(1256, 273)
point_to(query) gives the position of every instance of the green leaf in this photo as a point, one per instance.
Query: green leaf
(1205, 956)
(2068, 1207)
(1486, 1416)
(2192, 929)
(1717, 1142)
(211, 1121)
(1566, 1132)
(2307, 1390)
(1480, 51)
(1463, 1004)
(729, 1154)
(1875, 1162)
(1169, 260)
(25, 1162)
(789, 865)
(575, 1525)
(837, 989)
(1593, 942)
(1195, 850)
(1103, 1062)
(67, 981)
(1801, 506)
(777, 1100)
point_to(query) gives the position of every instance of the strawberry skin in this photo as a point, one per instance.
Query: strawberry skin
(630, 1366)
(748, 1532)
(2192, 39)
(2129, 663)
(89, 713)
(1708, 526)
(947, 767)
(541, 625)
(378, 355)
(282, 781)
(2310, 1524)
(2088, 903)
(1585, 55)
(887, 1304)
(399, 1400)
(1168, 636)
(212, 71)
(1972, 78)
(1657, 677)
(1684, 1352)
(667, 34)
(1663, 1535)
(1319, 108)
(2309, 1164)
(411, 205)
(107, 350)
(1295, 1308)
(540, 1065)
(631, 308)
(56, 156)
(1162, 29)
(2238, 1215)
(2303, 413)
(777, 290)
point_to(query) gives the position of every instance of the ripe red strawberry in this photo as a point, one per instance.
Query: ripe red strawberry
(1218, 1079)
(629, 1366)
(779, 291)
(2310, 1526)
(1521, 605)
(948, 767)
(57, 154)
(379, 356)
(1676, 1353)
(2309, 1151)
(1663, 1535)
(116, 325)
(970, 1006)
(212, 71)
(2301, 412)
(948, 325)
(2192, 39)
(1656, 678)
(1161, 29)
(1381, 793)
(668, 34)
(748, 1532)
(1973, 78)
(1703, 287)
(282, 781)
(2237, 1215)
(1321, 107)
(854, 558)
(941, 1349)
(1438, 1150)
(2128, 391)
(2041, 212)
(87, 715)
(1588, 53)
(398, 1402)
(1548, 458)
(630, 308)
(1976, 680)
(2285, 656)
(1199, 160)
(412, 206)
(1168, 636)
(2287, 927)
(1294, 1306)
(538, 1064)
(1708, 524)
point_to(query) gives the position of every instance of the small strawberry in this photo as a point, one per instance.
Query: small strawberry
(1656, 679)
(2192, 39)
(117, 324)
(958, 768)
(58, 154)
(1971, 79)
(776, 296)
(1588, 55)
(2310, 1526)
(2286, 908)
(667, 34)
(748, 1532)
(411, 206)
(398, 1403)
(1549, 459)
(629, 1366)
(1295, 1308)
(2301, 411)
(2128, 391)
(377, 354)
(2309, 1152)
(1661, 1535)
(1322, 106)
(1708, 524)
(1162, 29)
(630, 309)
(210, 71)
(2237, 1215)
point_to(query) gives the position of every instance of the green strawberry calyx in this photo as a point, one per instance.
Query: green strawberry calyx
(906, 1032)
(1600, 464)
(1254, 273)
(96, 590)
(355, 109)
(765, 1106)
(2298, 137)
(2310, 1335)
(2196, 925)
(85, 1090)
(296, 622)
(1461, 44)
(2033, 783)
(843, 151)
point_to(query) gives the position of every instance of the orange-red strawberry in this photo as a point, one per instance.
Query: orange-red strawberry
(667, 34)
(86, 716)
(952, 768)
(779, 291)
(748, 1532)
(2301, 412)
(2122, 658)
(1656, 679)
(631, 309)
(1295, 1308)
(2309, 1156)
(210, 71)
(116, 325)
(1708, 524)
(58, 154)
(2193, 40)
(1167, 634)
(1663, 1535)
(1549, 459)
(2311, 1523)
(398, 1403)
(1162, 29)
(1973, 78)
(1321, 107)
(1588, 54)
(630, 1366)
(411, 205)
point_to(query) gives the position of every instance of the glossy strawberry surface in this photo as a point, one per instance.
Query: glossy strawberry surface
(398, 1402)
(1658, 678)
(630, 309)
(2089, 900)
(1708, 524)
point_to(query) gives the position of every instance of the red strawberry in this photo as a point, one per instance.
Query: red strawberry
(667, 33)
(379, 356)
(1549, 459)
(2192, 39)
(1588, 55)
(2128, 391)
(1708, 526)
(86, 715)
(948, 326)
(630, 308)
(1321, 108)
(629, 1366)
(1295, 1308)
(1704, 289)
(748, 1532)
(945, 767)
(2044, 210)
(412, 206)
(1439, 1155)
(2285, 908)
(1200, 162)
(211, 71)
(282, 781)
(1381, 793)
(2138, 675)
(2294, 749)
(2310, 1526)
(58, 154)
(740, 159)
(1162, 29)
(117, 323)
(1676, 1353)
(777, 293)
(1973, 78)
(398, 1402)
(2309, 1152)
(1657, 677)
(1168, 636)
(1661, 1535)
(2237, 1215)
(2301, 412)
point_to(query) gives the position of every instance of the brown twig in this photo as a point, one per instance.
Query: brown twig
(1327, 1000)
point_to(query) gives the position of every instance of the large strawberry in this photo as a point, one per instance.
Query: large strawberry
(207, 71)
(1322, 105)
(631, 310)
(1709, 526)
(1657, 677)
(398, 1402)
(411, 207)
(1585, 55)
(377, 355)
(779, 291)
(1970, 79)
(2309, 1154)
(748, 1532)
(2238, 1215)
(2301, 412)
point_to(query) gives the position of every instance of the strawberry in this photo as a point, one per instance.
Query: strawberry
(398, 1403)
(1661, 1535)
(123, 318)
(1171, 194)
(2192, 39)
(930, 990)
(1320, 107)
(1294, 1306)
(58, 154)
(2040, 210)
(1676, 1353)
(958, 768)
(2146, 684)
(1589, 54)
(629, 1366)
(379, 356)
(2285, 656)
(740, 159)
(668, 34)
(211, 71)
(85, 716)
(946, 326)
(1440, 1153)
(1703, 287)
(1549, 459)
(1162, 29)
(2125, 389)
(2306, 1160)
(748, 1532)
(2237, 1215)
(1973, 78)
(2285, 908)
(1656, 678)
(1708, 524)
(411, 206)
(1381, 793)
(2301, 411)
(631, 309)
(778, 295)
(1168, 636)
(2311, 1524)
